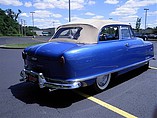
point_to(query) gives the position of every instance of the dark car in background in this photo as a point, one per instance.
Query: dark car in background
(152, 36)
(143, 36)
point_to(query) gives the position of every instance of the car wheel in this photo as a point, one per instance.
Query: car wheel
(145, 38)
(102, 82)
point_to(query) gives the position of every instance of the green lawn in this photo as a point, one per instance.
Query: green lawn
(24, 45)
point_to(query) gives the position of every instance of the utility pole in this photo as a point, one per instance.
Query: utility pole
(21, 27)
(69, 12)
(146, 17)
(24, 23)
(32, 23)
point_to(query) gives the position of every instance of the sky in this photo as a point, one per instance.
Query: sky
(52, 13)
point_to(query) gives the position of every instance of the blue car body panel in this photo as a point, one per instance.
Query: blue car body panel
(93, 60)
(47, 49)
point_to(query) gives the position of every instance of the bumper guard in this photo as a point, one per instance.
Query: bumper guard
(43, 83)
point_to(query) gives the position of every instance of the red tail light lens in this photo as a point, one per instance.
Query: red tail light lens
(24, 55)
(62, 60)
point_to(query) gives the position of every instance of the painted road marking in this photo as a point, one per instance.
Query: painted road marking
(155, 68)
(106, 105)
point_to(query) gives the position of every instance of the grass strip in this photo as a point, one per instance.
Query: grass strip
(19, 46)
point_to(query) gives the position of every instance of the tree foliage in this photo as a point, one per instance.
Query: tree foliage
(8, 23)
(138, 24)
(155, 30)
(12, 14)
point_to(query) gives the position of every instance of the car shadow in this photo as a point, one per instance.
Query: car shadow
(127, 76)
(116, 80)
(30, 93)
(155, 113)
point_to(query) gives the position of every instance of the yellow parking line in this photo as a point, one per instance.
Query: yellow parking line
(108, 106)
(152, 67)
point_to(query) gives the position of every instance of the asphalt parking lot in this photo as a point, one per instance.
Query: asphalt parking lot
(131, 95)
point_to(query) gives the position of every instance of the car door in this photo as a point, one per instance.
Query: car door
(134, 52)
(112, 48)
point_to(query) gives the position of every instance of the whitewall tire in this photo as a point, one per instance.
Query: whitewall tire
(102, 82)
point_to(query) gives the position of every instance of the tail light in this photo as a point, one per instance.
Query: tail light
(24, 55)
(62, 60)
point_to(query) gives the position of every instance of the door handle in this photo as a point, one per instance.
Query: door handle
(127, 45)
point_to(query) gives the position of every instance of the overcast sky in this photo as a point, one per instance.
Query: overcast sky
(50, 13)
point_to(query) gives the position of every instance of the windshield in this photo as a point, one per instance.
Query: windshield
(68, 32)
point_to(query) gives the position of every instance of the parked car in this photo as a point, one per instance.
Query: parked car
(143, 36)
(85, 53)
(152, 36)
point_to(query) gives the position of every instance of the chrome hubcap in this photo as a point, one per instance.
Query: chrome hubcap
(102, 80)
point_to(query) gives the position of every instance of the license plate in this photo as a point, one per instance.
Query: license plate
(32, 78)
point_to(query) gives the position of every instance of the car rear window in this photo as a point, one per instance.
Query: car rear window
(68, 33)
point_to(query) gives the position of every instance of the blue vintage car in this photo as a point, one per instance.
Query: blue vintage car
(85, 53)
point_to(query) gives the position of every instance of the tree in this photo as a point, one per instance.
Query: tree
(138, 24)
(19, 11)
(155, 30)
(8, 25)
(12, 14)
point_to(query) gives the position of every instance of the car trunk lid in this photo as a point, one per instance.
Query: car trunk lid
(53, 49)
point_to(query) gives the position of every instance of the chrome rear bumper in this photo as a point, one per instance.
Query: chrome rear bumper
(43, 83)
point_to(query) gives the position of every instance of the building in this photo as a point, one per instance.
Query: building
(45, 32)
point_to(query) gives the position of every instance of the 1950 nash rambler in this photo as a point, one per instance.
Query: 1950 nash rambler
(85, 53)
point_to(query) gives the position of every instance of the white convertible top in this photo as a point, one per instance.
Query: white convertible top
(91, 28)
(95, 23)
